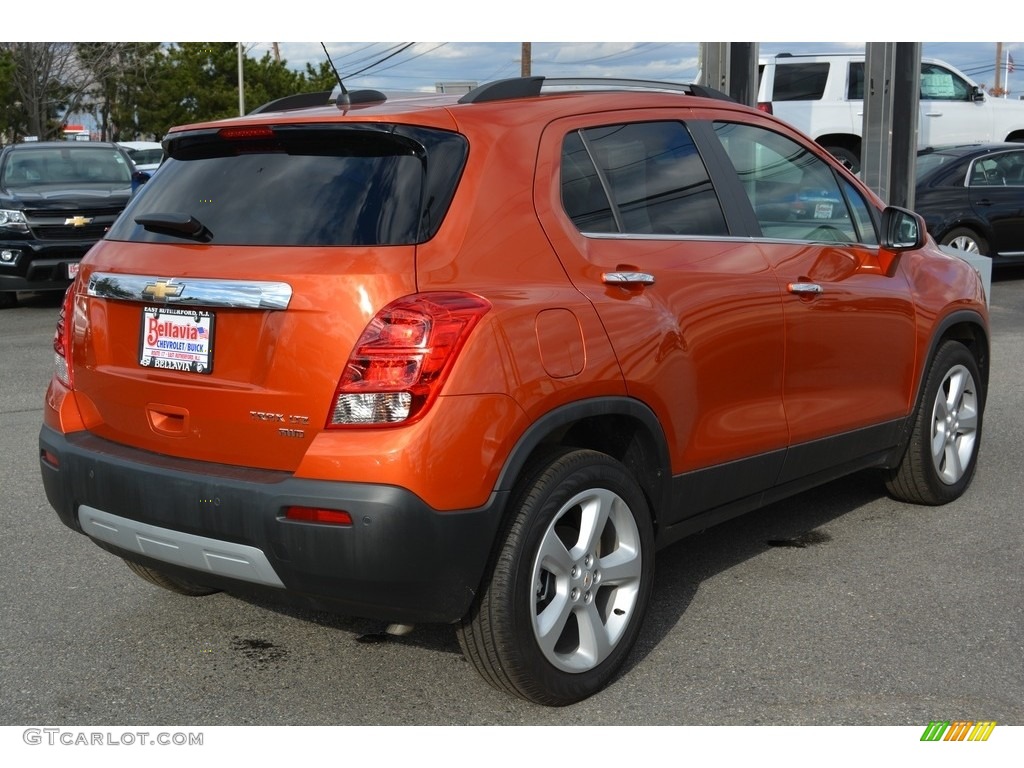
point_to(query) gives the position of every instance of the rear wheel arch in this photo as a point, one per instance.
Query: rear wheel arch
(620, 427)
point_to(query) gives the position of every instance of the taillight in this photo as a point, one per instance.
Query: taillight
(62, 341)
(765, 106)
(403, 357)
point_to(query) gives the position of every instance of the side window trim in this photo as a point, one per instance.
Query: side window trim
(739, 213)
(603, 178)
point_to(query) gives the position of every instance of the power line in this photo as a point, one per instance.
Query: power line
(380, 61)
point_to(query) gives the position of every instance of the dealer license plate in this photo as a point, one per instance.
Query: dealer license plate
(176, 339)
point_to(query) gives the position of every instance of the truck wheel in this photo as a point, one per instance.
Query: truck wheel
(847, 157)
(943, 449)
(569, 584)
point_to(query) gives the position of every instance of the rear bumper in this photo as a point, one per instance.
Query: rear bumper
(399, 562)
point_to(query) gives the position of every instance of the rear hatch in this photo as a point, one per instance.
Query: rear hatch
(216, 318)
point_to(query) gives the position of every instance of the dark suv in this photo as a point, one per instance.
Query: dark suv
(474, 360)
(56, 200)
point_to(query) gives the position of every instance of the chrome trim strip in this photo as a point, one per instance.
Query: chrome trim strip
(190, 291)
(723, 239)
(222, 558)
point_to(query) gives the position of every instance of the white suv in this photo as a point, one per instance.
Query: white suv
(823, 96)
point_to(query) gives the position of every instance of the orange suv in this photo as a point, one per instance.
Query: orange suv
(474, 360)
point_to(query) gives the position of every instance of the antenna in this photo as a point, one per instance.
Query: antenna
(343, 99)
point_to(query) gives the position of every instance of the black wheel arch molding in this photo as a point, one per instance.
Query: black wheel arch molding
(623, 427)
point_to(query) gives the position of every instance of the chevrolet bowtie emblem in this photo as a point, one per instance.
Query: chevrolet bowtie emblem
(77, 221)
(161, 289)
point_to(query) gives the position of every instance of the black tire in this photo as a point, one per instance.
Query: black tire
(562, 605)
(847, 157)
(965, 239)
(8, 299)
(172, 583)
(943, 450)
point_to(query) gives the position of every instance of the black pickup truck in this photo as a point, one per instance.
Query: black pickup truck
(56, 200)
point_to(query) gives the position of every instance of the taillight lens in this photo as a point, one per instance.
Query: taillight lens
(403, 357)
(765, 106)
(62, 341)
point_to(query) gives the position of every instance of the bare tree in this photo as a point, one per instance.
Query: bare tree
(52, 80)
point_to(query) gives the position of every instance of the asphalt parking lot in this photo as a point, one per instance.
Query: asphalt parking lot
(861, 610)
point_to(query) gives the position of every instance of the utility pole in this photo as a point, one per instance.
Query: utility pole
(998, 90)
(277, 52)
(526, 55)
(241, 82)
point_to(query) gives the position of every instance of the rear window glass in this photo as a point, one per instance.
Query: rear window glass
(800, 82)
(317, 186)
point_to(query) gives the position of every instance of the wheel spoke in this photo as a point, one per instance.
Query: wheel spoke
(553, 556)
(550, 623)
(595, 643)
(957, 385)
(621, 566)
(952, 468)
(593, 518)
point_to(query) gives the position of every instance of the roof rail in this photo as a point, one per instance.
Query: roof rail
(526, 87)
(295, 101)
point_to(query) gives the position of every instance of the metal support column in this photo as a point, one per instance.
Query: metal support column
(730, 68)
(891, 108)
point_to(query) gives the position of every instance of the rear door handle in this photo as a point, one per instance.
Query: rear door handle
(805, 288)
(627, 278)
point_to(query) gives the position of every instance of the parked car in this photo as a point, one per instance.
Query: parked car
(146, 155)
(823, 96)
(972, 198)
(473, 360)
(56, 200)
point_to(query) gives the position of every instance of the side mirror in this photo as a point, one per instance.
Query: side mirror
(977, 94)
(138, 179)
(902, 230)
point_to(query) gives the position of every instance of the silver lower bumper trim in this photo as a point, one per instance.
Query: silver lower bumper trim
(236, 561)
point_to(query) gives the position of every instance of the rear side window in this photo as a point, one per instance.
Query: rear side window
(800, 82)
(639, 178)
(305, 185)
(855, 86)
